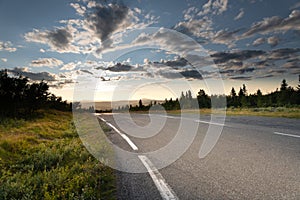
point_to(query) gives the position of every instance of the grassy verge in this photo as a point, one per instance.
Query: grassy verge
(44, 159)
(266, 112)
(293, 112)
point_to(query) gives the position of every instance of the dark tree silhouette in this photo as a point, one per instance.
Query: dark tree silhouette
(20, 98)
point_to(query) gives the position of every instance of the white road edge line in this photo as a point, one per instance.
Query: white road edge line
(164, 189)
(125, 137)
(285, 134)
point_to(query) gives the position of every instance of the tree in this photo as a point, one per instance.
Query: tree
(233, 93)
(244, 90)
(259, 100)
(140, 103)
(284, 85)
(203, 99)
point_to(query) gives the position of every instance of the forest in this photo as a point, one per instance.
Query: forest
(20, 98)
(286, 96)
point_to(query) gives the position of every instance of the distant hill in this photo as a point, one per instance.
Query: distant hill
(107, 105)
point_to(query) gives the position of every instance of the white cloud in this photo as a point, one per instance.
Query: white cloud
(60, 40)
(69, 66)
(79, 8)
(46, 62)
(240, 15)
(273, 41)
(7, 46)
(97, 30)
(215, 7)
(4, 59)
(259, 41)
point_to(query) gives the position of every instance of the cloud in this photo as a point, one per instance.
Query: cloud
(4, 59)
(296, 5)
(225, 37)
(240, 15)
(86, 71)
(179, 62)
(245, 78)
(99, 27)
(120, 68)
(106, 19)
(191, 74)
(59, 39)
(7, 46)
(46, 62)
(201, 28)
(215, 7)
(23, 71)
(69, 66)
(238, 71)
(223, 57)
(259, 41)
(273, 41)
(275, 24)
(292, 64)
(282, 54)
(79, 9)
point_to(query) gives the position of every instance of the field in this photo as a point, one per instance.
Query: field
(43, 158)
(293, 112)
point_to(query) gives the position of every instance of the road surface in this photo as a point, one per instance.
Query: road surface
(254, 158)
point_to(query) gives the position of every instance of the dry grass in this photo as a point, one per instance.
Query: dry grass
(266, 112)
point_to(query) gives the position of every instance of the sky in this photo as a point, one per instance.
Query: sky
(114, 50)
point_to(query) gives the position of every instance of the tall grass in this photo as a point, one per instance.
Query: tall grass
(44, 159)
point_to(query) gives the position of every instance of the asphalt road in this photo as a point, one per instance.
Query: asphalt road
(254, 158)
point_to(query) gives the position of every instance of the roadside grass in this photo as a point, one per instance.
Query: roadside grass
(293, 112)
(43, 158)
(286, 112)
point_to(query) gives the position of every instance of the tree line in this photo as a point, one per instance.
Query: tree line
(285, 96)
(20, 98)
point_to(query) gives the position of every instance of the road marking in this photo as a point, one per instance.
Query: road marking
(285, 134)
(125, 137)
(196, 120)
(164, 189)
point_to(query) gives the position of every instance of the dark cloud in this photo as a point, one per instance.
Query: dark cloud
(237, 71)
(32, 75)
(281, 54)
(188, 74)
(60, 38)
(106, 19)
(120, 68)
(181, 62)
(193, 74)
(245, 78)
(86, 71)
(223, 57)
(275, 23)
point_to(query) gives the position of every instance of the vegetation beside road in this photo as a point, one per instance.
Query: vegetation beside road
(293, 112)
(43, 158)
(280, 103)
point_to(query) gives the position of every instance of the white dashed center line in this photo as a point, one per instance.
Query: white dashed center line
(285, 134)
